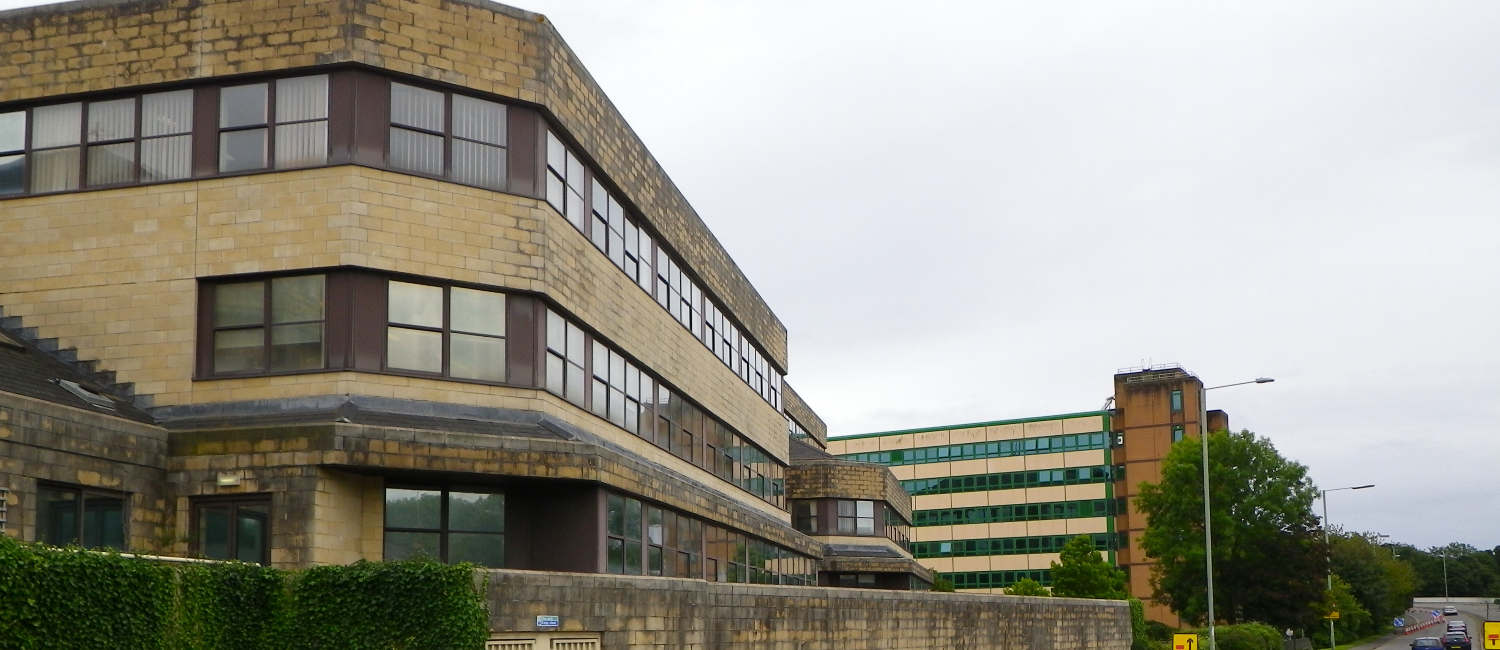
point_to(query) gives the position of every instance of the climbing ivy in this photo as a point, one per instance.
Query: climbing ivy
(70, 598)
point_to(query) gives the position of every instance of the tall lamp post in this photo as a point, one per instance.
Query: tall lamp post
(1208, 531)
(1332, 643)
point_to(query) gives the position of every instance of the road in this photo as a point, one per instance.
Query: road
(1467, 613)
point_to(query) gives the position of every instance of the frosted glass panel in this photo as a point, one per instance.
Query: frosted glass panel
(416, 304)
(112, 120)
(56, 126)
(303, 98)
(165, 159)
(300, 145)
(56, 170)
(242, 106)
(12, 131)
(476, 357)
(167, 113)
(418, 152)
(414, 349)
(416, 107)
(476, 119)
(111, 163)
(480, 312)
(478, 164)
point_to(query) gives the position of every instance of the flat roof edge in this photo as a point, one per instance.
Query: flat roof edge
(1061, 416)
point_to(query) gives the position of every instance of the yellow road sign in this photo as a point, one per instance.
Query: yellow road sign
(1184, 642)
(1492, 635)
(1332, 615)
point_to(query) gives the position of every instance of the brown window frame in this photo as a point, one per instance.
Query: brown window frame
(271, 124)
(447, 135)
(234, 501)
(209, 329)
(446, 331)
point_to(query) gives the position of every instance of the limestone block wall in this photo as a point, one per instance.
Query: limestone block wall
(841, 479)
(74, 48)
(642, 612)
(44, 441)
(113, 273)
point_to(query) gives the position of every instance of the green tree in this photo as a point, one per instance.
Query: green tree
(1382, 584)
(1268, 550)
(1353, 621)
(1471, 572)
(1081, 572)
(1027, 587)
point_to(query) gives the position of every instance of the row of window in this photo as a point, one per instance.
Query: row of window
(1004, 546)
(851, 517)
(995, 579)
(642, 539)
(594, 376)
(1013, 480)
(282, 324)
(451, 525)
(284, 124)
(234, 528)
(981, 450)
(575, 192)
(1019, 512)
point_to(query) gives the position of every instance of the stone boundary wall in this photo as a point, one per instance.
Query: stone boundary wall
(642, 612)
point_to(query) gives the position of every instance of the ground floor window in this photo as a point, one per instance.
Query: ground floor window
(861, 580)
(76, 515)
(448, 524)
(237, 528)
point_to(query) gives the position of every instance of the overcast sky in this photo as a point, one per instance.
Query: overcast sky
(978, 211)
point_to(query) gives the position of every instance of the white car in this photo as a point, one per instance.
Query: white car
(1450, 611)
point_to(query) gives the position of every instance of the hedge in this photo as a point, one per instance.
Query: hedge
(69, 598)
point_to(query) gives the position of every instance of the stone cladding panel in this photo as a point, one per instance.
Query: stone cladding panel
(842, 479)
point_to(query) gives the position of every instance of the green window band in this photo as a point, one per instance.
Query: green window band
(1010, 480)
(995, 579)
(1004, 546)
(982, 450)
(1018, 512)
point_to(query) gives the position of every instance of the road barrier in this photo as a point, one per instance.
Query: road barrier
(1437, 617)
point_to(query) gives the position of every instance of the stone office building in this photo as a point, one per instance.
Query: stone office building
(301, 283)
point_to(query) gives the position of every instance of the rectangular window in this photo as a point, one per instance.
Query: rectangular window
(111, 142)
(236, 528)
(418, 122)
(299, 121)
(451, 525)
(1176, 433)
(805, 517)
(471, 152)
(56, 132)
(1176, 401)
(12, 152)
(74, 515)
(856, 517)
(622, 535)
(166, 136)
(274, 325)
(616, 388)
(566, 356)
(454, 331)
(565, 182)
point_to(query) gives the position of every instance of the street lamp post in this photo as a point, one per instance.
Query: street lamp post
(1332, 642)
(1208, 531)
(1445, 576)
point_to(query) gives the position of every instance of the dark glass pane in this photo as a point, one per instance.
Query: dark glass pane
(405, 546)
(653, 559)
(252, 527)
(633, 558)
(213, 532)
(478, 548)
(297, 347)
(413, 509)
(476, 511)
(614, 519)
(242, 150)
(240, 350)
(57, 516)
(242, 106)
(12, 174)
(632, 519)
(615, 561)
(103, 522)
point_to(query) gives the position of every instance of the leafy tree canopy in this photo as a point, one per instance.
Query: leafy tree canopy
(1268, 548)
(1027, 587)
(1081, 572)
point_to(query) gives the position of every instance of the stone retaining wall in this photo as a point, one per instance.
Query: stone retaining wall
(643, 612)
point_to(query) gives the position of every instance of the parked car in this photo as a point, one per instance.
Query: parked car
(1457, 641)
(1427, 643)
(1450, 611)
